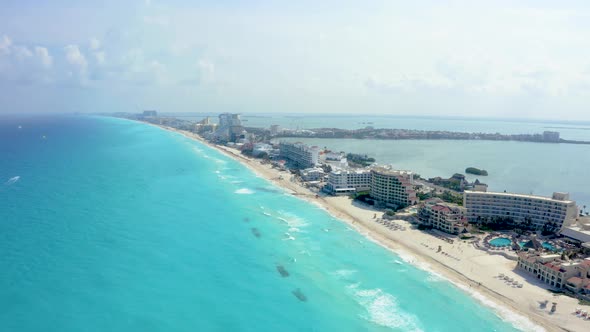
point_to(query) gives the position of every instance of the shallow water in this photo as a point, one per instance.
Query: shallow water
(119, 226)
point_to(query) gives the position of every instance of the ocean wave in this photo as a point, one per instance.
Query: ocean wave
(12, 180)
(295, 230)
(434, 277)
(244, 191)
(382, 309)
(344, 273)
(292, 220)
(517, 320)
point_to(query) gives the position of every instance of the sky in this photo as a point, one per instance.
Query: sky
(513, 59)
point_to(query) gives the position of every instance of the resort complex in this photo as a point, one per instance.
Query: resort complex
(301, 155)
(348, 181)
(552, 269)
(447, 217)
(393, 188)
(520, 211)
(547, 239)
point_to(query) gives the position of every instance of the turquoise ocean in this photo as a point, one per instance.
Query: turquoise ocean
(113, 225)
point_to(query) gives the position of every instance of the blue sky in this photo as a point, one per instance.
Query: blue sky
(460, 58)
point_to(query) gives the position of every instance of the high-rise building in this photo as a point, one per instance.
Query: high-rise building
(274, 130)
(551, 136)
(301, 155)
(345, 181)
(392, 187)
(527, 211)
(230, 128)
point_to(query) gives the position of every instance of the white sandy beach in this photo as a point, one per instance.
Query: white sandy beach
(474, 270)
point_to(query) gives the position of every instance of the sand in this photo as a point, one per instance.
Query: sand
(472, 270)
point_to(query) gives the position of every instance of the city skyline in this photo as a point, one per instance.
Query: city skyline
(465, 59)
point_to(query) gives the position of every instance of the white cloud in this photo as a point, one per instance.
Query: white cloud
(206, 70)
(94, 44)
(22, 52)
(43, 55)
(100, 57)
(5, 44)
(76, 58)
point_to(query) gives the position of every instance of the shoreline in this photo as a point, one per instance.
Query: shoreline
(476, 276)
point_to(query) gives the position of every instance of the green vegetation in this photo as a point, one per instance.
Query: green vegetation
(361, 160)
(495, 223)
(363, 197)
(476, 171)
(454, 183)
(423, 196)
(450, 197)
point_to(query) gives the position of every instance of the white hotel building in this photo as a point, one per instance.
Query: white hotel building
(345, 181)
(300, 154)
(393, 187)
(532, 211)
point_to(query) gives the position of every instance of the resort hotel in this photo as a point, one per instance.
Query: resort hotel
(526, 211)
(447, 217)
(573, 275)
(393, 187)
(347, 181)
(301, 155)
(386, 186)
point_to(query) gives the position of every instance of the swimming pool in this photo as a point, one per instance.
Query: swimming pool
(545, 245)
(500, 242)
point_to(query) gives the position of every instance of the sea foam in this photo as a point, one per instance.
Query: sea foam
(12, 180)
(382, 309)
(244, 191)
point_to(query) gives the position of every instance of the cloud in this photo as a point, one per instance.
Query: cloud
(205, 73)
(76, 58)
(206, 69)
(22, 64)
(22, 52)
(94, 44)
(5, 44)
(100, 57)
(43, 55)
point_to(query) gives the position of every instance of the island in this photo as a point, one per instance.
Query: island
(476, 171)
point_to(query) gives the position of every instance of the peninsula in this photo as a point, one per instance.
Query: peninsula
(413, 134)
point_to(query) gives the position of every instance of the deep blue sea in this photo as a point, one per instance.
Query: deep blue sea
(113, 225)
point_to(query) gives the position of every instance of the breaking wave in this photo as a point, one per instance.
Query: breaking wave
(12, 180)
(244, 191)
(382, 309)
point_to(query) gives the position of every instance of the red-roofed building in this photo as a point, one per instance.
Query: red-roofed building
(551, 269)
(449, 218)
